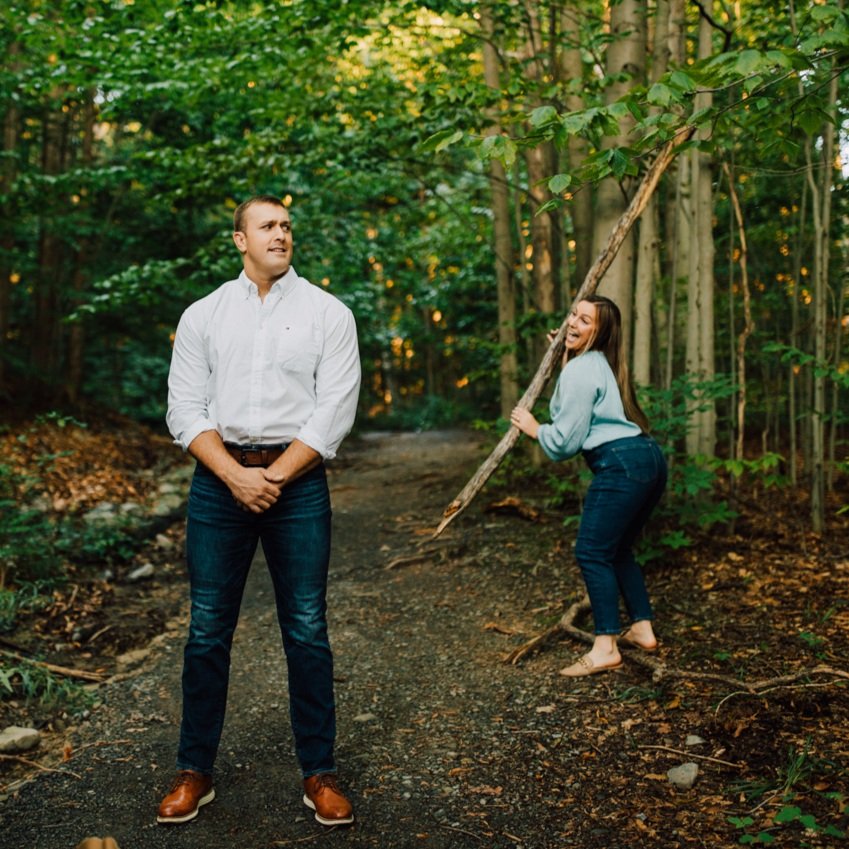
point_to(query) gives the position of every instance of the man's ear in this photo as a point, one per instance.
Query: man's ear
(239, 239)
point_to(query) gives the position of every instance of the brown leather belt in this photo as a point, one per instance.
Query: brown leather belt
(255, 455)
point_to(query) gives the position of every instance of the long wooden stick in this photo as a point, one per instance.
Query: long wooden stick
(96, 677)
(552, 356)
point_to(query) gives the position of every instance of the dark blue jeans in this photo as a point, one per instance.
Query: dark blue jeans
(629, 476)
(221, 539)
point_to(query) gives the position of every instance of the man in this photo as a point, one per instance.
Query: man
(263, 388)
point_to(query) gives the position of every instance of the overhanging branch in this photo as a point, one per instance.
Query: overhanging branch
(555, 350)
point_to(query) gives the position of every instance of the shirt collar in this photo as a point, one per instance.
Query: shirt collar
(281, 287)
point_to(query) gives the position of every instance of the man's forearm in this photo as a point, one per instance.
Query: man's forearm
(208, 448)
(295, 461)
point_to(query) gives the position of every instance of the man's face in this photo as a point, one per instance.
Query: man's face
(265, 241)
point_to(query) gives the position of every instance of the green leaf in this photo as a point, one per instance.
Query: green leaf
(559, 183)
(748, 62)
(789, 813)
(700, 116)
(812, 120)
(659, 95)
(576, 122)
(439, 141)
(683, 81)
(543, 115)
(499, 147)
(779, 58)
(548, 206)
(824, 14)
(619, 110)
(620, 164)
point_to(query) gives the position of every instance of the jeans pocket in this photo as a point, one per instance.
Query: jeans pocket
(638, 461)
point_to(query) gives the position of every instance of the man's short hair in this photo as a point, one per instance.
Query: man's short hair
(242, 208)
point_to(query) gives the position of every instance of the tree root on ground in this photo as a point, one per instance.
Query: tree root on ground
(661, 671)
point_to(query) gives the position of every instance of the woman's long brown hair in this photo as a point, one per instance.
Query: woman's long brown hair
(607, 338)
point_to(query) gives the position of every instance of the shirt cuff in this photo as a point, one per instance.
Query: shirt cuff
(188, 436)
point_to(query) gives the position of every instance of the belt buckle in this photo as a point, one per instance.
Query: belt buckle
(243, 458)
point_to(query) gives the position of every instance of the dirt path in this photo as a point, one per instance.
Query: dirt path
(440, 743)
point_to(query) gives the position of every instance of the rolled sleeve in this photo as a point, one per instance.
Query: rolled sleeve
(188, 407)
(337, 386)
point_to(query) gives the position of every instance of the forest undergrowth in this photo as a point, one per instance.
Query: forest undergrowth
(757, 601)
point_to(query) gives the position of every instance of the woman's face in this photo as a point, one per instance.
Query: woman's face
(581, 326)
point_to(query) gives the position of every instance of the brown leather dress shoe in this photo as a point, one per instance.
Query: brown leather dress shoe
(189, 791)
(322, 794)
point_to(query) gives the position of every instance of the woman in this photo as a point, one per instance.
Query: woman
(594, 410)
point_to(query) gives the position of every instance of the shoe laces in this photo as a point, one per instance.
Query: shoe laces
(182, 777)
(326, 780)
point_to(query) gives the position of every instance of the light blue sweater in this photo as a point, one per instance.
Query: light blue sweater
(586, 409)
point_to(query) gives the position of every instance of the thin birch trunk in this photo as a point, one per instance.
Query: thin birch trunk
(625, 63)
(648, 250)
(701, 439)
(8, 217)
(76, 334)
(571, 68)
(821, 261)
(508, 366)
(793, 382)
(748, 324)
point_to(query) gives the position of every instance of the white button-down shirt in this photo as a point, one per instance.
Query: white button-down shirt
(265, 372)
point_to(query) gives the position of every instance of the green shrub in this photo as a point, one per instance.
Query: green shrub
(36, 683)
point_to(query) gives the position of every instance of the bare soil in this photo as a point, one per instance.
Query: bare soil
(441, 742)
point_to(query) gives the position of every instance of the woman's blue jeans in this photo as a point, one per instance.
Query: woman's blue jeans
(629, 476)
(221, 539)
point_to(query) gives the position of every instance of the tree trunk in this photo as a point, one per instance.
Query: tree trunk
(626, 64)
(648, 250)
(792, 375)
(76, 333)
(821, 207)
(648, 270)
(46, 331)
(503, 242)
(835, 393)
(539, 162)
(748, 326)
(701, 438)
(571, 71)
(677, 219)
(8, 214)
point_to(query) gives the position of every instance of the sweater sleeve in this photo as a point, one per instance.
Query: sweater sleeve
(571, 410)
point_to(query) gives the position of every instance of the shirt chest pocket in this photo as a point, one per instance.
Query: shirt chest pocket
(296, 353)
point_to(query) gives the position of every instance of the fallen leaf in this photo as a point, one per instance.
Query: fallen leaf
(511, 504)
(500, 629)
(486, 790)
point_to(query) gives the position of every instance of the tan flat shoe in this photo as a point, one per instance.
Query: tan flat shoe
(585, 666)
(629, 640)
